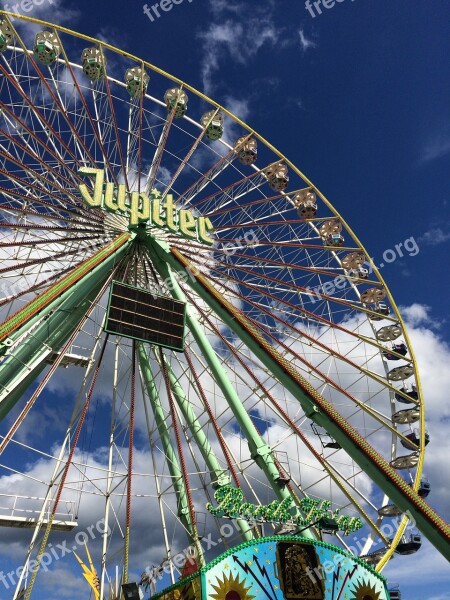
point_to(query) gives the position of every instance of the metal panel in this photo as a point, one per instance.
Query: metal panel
(141, 315)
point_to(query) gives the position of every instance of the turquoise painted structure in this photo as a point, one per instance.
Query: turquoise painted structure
(281, 568)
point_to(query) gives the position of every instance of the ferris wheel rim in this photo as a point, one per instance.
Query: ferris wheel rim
(299, 173)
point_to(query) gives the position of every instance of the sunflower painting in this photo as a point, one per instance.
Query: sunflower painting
(365, 591)
(230, 588)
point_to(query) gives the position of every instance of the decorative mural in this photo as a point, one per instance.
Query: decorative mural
(282, 568)
(290, 568)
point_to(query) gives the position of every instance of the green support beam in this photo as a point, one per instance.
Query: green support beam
(15, 325)
(63, 313)
(314, 405)
(171, 457)
(218, 475)
(261, 452)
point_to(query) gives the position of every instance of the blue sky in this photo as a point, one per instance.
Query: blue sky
(358, 98)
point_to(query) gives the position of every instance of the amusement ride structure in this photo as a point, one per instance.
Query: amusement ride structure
(225, 362)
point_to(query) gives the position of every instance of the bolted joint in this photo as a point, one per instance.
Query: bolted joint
(312, 412)
(222, 479)
(259, 451)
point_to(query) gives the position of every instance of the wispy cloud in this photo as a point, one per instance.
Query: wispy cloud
(228, 39)
(435, 236)
(304, 41)
(219, 7)
(437, 146)
(55, 11)
(239, 107)
(416, 314)
(240, 35)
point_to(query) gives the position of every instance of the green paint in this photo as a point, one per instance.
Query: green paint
(166, 442)
(21, 368)
(261, 453)
(231, 505)
(316, 407)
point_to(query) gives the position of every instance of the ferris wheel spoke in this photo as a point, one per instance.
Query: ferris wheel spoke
(267, 262)
(280, 411)
(37, 180)
(118, 142)
(55, 257)
(157, 158)
(185, 161)
(27, 200)
(51, 241)
(384, 420)
(101, 120)
(231, 193)
(285, 285)
(32, 139)
(185, 198)
(93, 122)
(46, 86)
(22, 212)
(45, 128)
(258, 204)
(315, 341)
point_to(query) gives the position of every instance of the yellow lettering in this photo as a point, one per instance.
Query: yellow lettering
(156, 214)
(109, 201)
(205, 225)
(96, 199)
(187, 224)
(168, 205)
(139, 209)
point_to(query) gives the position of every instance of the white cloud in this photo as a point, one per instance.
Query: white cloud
(238, 106)
(435, 236)
(222, 6)
(415, 314)
(64, 581)
(55, 11)
(437, 146)
(433, 355)
(304, 41)
(229, 39)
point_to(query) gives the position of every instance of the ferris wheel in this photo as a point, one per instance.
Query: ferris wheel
(188, 324)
